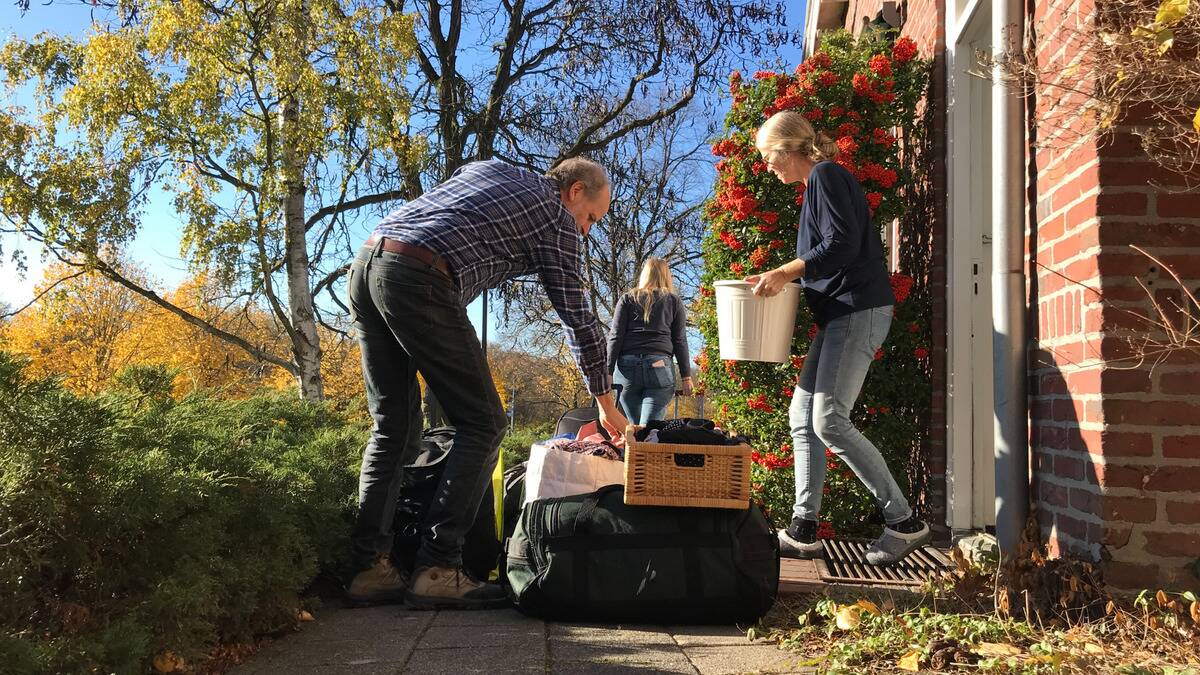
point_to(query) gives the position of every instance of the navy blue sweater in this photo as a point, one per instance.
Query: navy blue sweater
(844, 266)
(665, 333)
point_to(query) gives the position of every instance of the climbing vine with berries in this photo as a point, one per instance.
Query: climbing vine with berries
(864, 94)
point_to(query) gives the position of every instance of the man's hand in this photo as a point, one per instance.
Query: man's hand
(687, 386)
(610, 418)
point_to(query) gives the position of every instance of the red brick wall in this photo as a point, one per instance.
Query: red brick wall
(924, 22)
(1115, 443)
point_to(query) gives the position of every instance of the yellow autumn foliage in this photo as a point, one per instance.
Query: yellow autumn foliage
(88, 329)
(79, 330)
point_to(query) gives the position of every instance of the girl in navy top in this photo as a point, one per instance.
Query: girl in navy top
(840, 262)
(649, 328)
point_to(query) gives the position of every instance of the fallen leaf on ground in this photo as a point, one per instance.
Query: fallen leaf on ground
(1093, 648)
(910, 661)
(1171, 11)
(869, 606)
(848, 617)
(1054, 659)
(996, 649)
(1195, 610)
(305, 615)
(168, 662)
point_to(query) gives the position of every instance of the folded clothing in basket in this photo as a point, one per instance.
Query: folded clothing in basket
(688, 431)
(586, 447)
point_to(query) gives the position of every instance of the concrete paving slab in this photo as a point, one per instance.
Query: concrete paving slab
(664, 654)
(495, 617)
(375, 639)
(370, 669)
(351, 624)
(509, 659)
(745, 659)
(296, 654)
(604, 634)
(442, 637)
(585, 668)
(708, 636)
(390, 640)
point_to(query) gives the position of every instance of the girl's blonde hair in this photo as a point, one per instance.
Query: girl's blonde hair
(655, 276)
(789, 131)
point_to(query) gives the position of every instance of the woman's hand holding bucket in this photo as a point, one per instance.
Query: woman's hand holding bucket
(769, 284)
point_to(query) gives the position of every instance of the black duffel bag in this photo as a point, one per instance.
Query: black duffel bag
(481, 545)
(593, 558)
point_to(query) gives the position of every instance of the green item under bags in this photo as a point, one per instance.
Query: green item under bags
(593, 558)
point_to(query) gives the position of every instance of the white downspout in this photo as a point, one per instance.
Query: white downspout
(1008, 280)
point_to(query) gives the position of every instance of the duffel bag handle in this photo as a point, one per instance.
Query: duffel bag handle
(583, 518)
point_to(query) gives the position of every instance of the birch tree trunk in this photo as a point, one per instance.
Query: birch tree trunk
(306, 344)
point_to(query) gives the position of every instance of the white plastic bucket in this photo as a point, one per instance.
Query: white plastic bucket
(754, 328)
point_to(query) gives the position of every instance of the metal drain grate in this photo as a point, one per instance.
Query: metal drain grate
(843, 563)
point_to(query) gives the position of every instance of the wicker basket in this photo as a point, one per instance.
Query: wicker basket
(670, 474)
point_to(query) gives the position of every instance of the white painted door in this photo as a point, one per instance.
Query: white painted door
(971, 480)
(984, 469)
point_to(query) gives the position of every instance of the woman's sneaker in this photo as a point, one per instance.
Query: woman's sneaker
(799, 540)
(897, 541)
(446, 588)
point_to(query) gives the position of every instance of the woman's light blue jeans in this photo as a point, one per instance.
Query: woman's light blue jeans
(830, 382)
(647, 385)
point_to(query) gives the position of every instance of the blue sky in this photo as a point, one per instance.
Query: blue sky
(157, 244)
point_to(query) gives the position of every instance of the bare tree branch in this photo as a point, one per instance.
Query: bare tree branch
(41, 295)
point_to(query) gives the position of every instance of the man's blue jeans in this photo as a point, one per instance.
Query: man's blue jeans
(409, 318)
(647, 385)
(830, 382)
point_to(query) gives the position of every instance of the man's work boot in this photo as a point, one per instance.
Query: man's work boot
(381, 584)
(446, 588)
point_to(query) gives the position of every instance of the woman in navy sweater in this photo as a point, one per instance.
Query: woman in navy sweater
(840, 262)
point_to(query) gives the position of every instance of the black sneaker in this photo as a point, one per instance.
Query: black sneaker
(799, 540)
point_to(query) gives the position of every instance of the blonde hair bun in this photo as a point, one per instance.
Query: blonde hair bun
(789, 131)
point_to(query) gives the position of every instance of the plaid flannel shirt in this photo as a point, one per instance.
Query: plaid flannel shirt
(494, 222)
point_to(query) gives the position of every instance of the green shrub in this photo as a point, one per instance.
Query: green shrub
(132, 524)
(514, 449)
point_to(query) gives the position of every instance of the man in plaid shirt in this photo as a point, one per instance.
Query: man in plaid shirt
(409, 287)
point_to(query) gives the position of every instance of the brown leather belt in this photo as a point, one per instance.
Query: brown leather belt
(412, 251)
